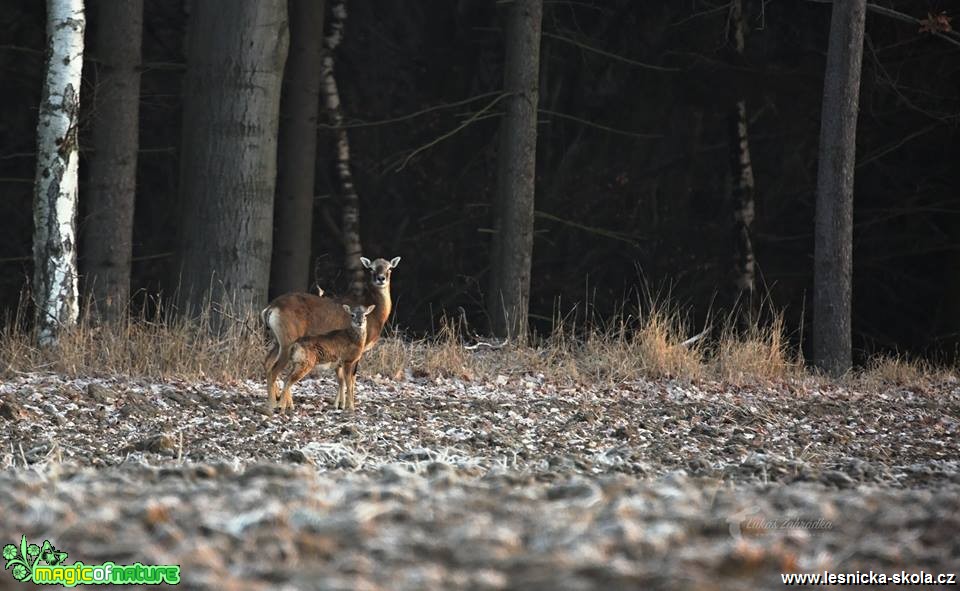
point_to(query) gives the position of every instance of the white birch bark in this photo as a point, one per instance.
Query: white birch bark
(350, 200)
(742, 171)
(55, 187)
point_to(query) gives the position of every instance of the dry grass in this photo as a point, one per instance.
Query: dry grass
(650, 344)
(883, 372)
(170, 347)
(759, 352)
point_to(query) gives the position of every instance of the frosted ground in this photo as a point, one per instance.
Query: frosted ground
(515, 482)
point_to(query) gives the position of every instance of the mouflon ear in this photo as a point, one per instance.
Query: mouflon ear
(366, 262)
(369, 309)
(347, 308)
(394, 262)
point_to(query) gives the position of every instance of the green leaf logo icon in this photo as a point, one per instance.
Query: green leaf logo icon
(51, 555)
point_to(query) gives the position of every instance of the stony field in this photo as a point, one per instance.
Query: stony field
(511, 483)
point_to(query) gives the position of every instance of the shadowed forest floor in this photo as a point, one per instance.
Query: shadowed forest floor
(514, 482)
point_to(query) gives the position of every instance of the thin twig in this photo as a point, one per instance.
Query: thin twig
(21, 49)
(949, 37)
(694, 338)
(643, 136)
(454, 131)
(150, 257)
(410, 115)
(707, 12)
(884, 151)
(479, 344)
(610, 55)
(593, 230)
(910, 19)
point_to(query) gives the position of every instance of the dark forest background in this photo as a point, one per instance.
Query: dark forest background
(633, 173)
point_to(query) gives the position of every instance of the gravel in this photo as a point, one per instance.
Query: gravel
(514, 483)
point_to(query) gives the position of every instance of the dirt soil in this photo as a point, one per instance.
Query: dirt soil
(515, 483)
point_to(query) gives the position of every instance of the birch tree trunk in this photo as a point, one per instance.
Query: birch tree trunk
(236, 54)
(296, 160)
(349, 199)
(55, 186)
(833, 249)
(741, 169)
(108, 228)
(512, 255)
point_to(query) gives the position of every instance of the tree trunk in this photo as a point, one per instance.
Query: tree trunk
(350, 201)
(108, 228)
(512, 254)
(55, 186)
(299, 107)
(236, 51)
(741, 170)
(833, 251)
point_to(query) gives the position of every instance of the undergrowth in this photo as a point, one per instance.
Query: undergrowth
(655, 341)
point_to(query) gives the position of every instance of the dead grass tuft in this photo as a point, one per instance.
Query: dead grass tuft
(444, 354)
(391, 357)
(883, 371)
(652, 343)
(170, 347)
(758, 352)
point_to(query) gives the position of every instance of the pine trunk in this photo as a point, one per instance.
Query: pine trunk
(349, 199)
(108, 228)
(236, 54)
(55, 186)
(833, 251)
(512, 255)
(299, 108)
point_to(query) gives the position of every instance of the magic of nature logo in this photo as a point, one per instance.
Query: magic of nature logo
(44, 565)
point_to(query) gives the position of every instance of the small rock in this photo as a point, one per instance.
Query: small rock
(439, 469)
(101, 394)
(297, 457)
(12, 411)
(416, 455)
(205, 471)
(347, 463)
(699, 466)
(137, 404)
(391, 474)
(179, 397)
(573, 489)
(838, 479)
(268, 470)
(157, 444)
(54, 413)
(562, 463)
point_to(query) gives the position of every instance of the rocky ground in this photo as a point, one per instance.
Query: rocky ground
(515, 483)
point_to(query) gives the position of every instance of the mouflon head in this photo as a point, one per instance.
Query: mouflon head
(380, 270)
(358, 314)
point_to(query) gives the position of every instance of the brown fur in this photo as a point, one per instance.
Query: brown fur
(342, 348)
(296, 315)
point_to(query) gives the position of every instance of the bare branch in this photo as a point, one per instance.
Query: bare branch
(643, 136)
(410, 115)
(454, 131)
(613, 56)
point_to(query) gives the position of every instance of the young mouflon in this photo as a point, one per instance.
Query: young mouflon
(340, 349)
(294, 315)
